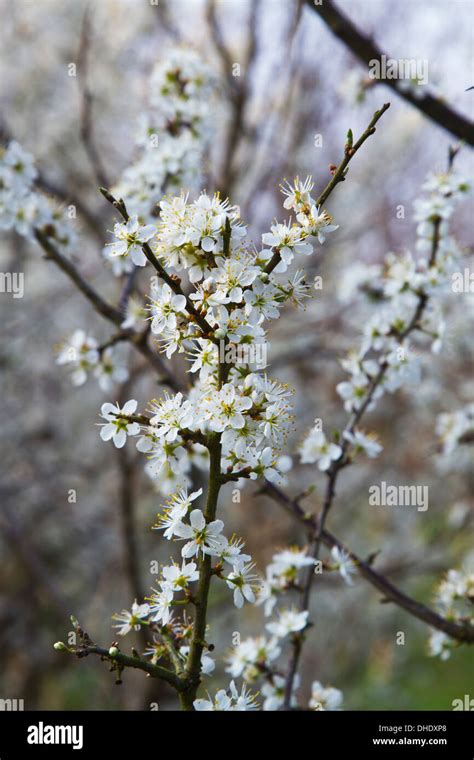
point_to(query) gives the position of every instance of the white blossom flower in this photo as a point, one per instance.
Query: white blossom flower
(205, 537)
(274, 422)
(251, 655)
(244, 583)
(298, 195)
(118, 428)
(169, 455)
(170, 415)
(221, 702)
(453, 427)
(268, 594)
(315, 448)
(179, 578)
(263, 298)
(440, 645)
(325, 697)
(135, 315)
(21, 166)
(263, 465)
(130, 237)
(355, 391)
(231, 277)
(160, 604)
(225, 408)
(288, 562)
(225, 701)
(176, 509)
(455, 593)
(80, 351)
(131, 620)
(243, 701)
(296, 289)
(165, 307)
(363, 442)
(274, 692)
(316, 223)
(204, 356)
(288, 240)
(111, 369)
(289, 621)
(343, 563)
(232, 553)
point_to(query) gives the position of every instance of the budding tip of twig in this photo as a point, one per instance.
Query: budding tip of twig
(107, 195)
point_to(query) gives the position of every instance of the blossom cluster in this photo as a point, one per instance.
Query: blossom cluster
(206, 538)
(176, 581)
(83, 356)
(386, 359)
(172, 138)
(180, 522)
(22, 207)
(235, 288)
(454, 599)
(228, 700)
(455, 429)
(234, 292)
(404, 280)
(255, 658)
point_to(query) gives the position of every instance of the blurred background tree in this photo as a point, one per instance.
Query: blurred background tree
(76, 514)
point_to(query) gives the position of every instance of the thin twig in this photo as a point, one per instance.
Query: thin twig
(172, 281)
(339, 173)
(128, 661)
(339, 464)
(86, 120)
(102, 307)
(65, 195)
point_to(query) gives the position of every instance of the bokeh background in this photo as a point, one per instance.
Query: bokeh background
(92, 557)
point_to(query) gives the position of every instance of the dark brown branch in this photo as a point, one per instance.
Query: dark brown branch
(463, 632)
(239, 88)
(367, 51)
(138, 340)
(126, 501)
(86, 119)
(127, 661)
(100, 305)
